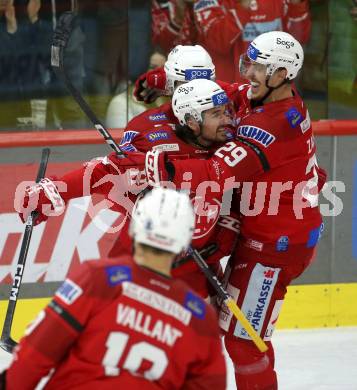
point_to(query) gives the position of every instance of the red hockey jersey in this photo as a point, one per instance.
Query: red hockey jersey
(225, 28)
(114, 324)
(166, 32)
(155, 130)
(273, 162)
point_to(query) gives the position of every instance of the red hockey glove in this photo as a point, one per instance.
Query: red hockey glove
(150, 85)
(43, 198)
(158, 170)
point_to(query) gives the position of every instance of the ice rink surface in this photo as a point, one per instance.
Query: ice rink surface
(319, 359)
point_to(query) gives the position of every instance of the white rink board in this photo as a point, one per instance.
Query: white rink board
(318, 359)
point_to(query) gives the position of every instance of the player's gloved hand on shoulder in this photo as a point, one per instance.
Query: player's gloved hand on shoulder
(157, 168)
(150, 85)
(42, 197)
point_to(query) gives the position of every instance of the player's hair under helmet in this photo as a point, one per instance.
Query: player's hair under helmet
(186, 63)
(196, 96)
(275, 49)
(163, 219)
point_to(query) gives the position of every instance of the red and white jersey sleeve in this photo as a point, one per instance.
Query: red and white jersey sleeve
(225, 28)
(116, 325)
(116, 178)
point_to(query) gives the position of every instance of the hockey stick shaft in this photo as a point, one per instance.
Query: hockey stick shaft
(223, 294)
(61, 37)
(7, 343)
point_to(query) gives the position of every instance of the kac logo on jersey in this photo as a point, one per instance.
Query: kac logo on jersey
(69, 292)
(282, 244)
(158, 136)
(257, 134)
(294, 117)
(117, 274)
(314, 236)
(192, 74)
(219, 99)
(158, 117)
(195, 305)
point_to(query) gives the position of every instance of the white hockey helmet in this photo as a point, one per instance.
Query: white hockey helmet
(163, 219)
(275, 49)
(196, 96)
(186, 63)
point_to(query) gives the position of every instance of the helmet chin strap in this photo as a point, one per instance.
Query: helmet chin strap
(260, 102)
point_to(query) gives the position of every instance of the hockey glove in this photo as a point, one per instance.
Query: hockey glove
(43, 198)
(158, 170)
(150, 85)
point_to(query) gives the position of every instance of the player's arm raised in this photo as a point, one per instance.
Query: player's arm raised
(99, 175)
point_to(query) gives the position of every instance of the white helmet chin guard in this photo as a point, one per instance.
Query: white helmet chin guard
(186, 63)
(196, 96)
(277, 49)
(163, 219)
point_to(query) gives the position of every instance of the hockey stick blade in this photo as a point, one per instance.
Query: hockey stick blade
(6, 342)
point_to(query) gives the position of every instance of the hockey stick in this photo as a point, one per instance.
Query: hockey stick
(6, 342)
(66, 22)
(61, 36)
(226, 298)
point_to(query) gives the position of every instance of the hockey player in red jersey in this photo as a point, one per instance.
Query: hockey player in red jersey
(273, 161)
(113, 177)
(159, 129)
(126, 323)
(226, 27)
(172, 23)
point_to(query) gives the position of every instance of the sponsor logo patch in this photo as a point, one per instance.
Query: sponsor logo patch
(219, 99)
(157, 301)
(69, 292)
(282, 244)
(167, 147)
(306, 123)
(192, 74)
(257, 298)
(203, 4)
(118, 274)
(314, 236)
(257, 134)
(125, 143)
(195, 305)
(253, 244)
(252, 52)
(158, 117)
(157, 136)
(294, 117)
